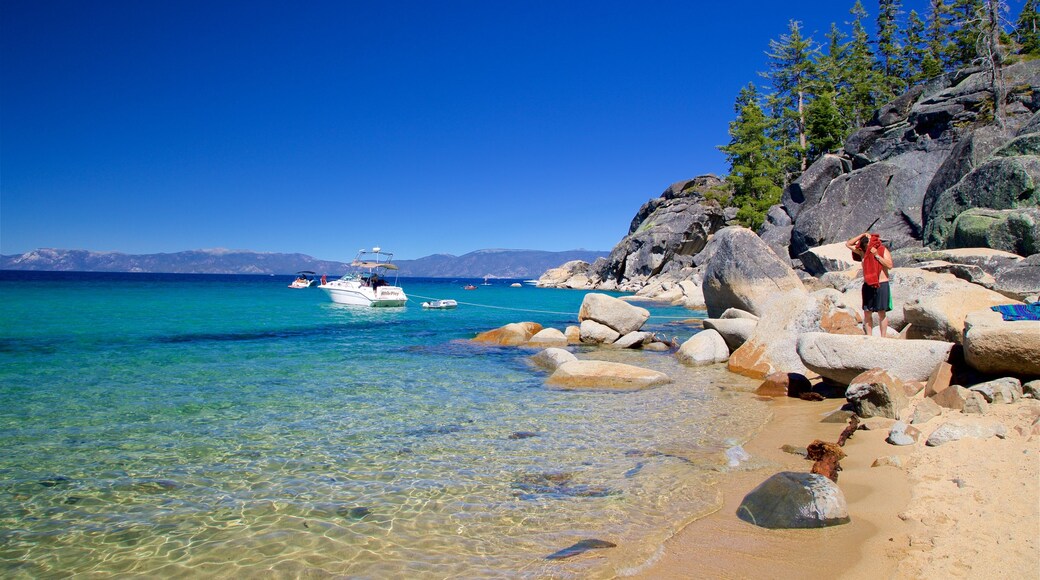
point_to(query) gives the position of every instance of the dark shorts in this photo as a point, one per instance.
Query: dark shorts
(877, 299)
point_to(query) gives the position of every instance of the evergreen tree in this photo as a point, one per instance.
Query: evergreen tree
(968, 20)
(889, 50)
(915, 52)
(1027, 29)
(826, 126)
(859, 97)
(937, 60)
(791, 68)
(755, 173)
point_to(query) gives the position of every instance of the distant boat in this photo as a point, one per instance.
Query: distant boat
(469, 287)
(485, 280)
(304, 279)
(531, 282)
(365, 286)
(516, 285)
(440, 304)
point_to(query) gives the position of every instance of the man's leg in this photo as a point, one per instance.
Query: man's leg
(868, 323)
(883, 322)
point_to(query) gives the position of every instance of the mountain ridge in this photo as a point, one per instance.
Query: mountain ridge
(498, 263)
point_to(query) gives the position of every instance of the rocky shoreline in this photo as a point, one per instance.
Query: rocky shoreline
(957, 200)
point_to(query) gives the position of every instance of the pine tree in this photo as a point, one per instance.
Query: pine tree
(791, 68)
(889, 49)
(755, 173)
(860, 95)
(826, 126)
(968, 19)
(938, 58)
(915, 52)
(1027, 29)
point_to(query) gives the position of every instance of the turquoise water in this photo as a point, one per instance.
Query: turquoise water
(226, 426)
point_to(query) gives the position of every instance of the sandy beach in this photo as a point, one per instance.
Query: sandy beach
(967, 509)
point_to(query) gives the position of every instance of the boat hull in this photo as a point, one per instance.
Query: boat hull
(356, 295)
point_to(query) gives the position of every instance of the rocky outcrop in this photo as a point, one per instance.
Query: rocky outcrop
(573, 274)
(1002, 183)
(667, 230)
(830, 258)
(547, 337)
(744, 273)
(735, 331)
(842, 357)
(993, 345)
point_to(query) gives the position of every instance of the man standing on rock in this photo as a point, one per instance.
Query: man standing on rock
(877, 261)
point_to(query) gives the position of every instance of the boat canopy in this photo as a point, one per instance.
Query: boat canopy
(307, 272)
(371, 265)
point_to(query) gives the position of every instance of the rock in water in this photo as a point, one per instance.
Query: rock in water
(580, 548)
(795, 500)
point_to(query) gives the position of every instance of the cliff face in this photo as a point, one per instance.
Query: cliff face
(933, 167)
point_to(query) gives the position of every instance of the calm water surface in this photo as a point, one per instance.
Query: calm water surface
(226, 426)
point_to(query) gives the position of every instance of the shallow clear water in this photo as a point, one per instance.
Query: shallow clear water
(224, 426)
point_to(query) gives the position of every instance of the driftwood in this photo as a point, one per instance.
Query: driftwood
(827, 456)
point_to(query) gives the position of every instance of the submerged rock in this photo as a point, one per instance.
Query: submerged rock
(580, 548)
(596, 374)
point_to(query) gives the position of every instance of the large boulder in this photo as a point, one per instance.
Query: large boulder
(1001, 183)
(704, 348)
(955, 431)
(613, 312)
(938, 313)
(842, 357)
(744, 273)
(604, 375)
(1011, 230)
(795, 500)
(993, 345)
(968, 153)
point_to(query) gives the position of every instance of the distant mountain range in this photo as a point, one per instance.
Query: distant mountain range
(493, 263)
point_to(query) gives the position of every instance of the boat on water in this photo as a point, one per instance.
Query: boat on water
(486, 283)
(469, 287)
(445, 304)
(366, 284)
(304, 279)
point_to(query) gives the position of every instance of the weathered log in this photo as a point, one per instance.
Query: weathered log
(849, 431)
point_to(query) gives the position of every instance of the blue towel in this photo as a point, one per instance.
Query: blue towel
(1019, 311)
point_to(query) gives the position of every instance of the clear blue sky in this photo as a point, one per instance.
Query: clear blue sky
(322, 127)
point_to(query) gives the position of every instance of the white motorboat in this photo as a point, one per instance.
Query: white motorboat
(440, 304)
(304, 279)
(366, 284)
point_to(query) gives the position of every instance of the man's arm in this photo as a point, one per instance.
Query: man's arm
(853, 243)
(883, 257)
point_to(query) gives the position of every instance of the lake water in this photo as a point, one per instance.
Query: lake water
(227, 426)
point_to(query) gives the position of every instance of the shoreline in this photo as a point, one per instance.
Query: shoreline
(722, 546)
(907, 522)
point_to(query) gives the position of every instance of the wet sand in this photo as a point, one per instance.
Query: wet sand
(936, 516)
